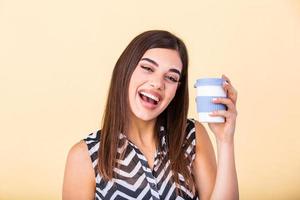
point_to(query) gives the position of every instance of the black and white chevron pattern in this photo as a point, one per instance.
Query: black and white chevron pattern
(134, 179)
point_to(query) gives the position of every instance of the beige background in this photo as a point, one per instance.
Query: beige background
(56, 59)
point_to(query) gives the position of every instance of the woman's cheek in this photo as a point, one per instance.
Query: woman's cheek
(173, 93)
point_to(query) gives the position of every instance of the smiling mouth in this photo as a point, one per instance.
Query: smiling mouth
(149, 98)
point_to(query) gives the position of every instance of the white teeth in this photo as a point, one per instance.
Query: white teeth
(150, 96)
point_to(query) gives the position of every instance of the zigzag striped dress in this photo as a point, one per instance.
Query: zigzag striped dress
(134, 178)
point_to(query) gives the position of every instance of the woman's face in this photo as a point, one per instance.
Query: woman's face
(154, 82)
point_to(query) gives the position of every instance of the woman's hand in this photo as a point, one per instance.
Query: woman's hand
(224, 131)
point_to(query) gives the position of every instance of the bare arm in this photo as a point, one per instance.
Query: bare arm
(79, 178)
(214, 181)
(220, 183)
(204, 165)
(226, 186)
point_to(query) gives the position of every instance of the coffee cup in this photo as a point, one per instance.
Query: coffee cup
(207, 89)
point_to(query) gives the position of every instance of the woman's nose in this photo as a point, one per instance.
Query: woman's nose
(157, 83)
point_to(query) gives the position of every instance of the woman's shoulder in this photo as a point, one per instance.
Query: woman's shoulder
(84, 152)
(193, 129)
(92, 142)
(82, 147)
(79, 175)
(194, 126)
(78, 152)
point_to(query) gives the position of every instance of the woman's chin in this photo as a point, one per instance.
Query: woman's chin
(145, 116)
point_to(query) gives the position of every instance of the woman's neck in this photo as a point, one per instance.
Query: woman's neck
(142, 132)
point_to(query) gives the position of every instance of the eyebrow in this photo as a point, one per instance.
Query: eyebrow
(156, 64)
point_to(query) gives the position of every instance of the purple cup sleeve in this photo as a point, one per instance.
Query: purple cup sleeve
(205, 104)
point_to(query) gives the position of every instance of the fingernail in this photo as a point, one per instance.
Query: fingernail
(214, 99)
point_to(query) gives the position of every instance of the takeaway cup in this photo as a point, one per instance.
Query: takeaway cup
(207, 89)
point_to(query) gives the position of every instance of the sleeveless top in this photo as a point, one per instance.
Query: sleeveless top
(134, 178)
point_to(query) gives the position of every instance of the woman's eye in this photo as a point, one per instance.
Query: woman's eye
(172, 79)
(148, 69)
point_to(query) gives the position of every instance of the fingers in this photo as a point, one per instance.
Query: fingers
(230, 90)
(224, 113)
(231, 112)
(226, 78)
(228, 102)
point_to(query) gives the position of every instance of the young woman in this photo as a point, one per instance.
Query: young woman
(147, 148)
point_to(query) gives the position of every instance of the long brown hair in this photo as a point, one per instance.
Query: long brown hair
(174, 117)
